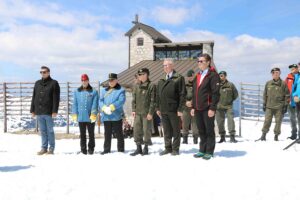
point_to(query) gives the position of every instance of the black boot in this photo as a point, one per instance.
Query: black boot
(232, 139)
(137, 151)
(262, 138)
(145, 150)
(222, 139)
(293, 137)
(185, 139)
(276, 138)
(195, 140)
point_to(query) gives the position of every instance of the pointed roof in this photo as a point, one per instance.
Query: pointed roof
(156, 36)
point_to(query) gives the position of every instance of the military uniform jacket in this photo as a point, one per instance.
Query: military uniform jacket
(143, 98)
(228, 93)
(171, 94)
(189, 93)
(85, 103)
(276, 94)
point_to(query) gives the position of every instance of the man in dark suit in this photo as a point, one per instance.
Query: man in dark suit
(170, 102)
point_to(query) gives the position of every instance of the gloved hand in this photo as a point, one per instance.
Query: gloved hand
(74, 117)
(284, 109)
(93, 118)
(264, 107)
(106, 110)
(112, 107)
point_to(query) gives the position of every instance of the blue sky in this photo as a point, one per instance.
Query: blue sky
(74, 36)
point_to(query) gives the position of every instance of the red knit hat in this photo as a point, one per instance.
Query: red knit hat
(84, 77)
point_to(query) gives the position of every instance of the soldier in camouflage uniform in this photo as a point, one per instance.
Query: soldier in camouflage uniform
(228, 93)
(276, 97)
(143, 108)
(188, 119)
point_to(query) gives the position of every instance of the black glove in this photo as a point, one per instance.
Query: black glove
(264, 108)
(284, 109)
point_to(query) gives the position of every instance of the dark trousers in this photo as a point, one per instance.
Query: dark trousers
(115, 127)
(91, 130)
(170, 122)
(206, 127)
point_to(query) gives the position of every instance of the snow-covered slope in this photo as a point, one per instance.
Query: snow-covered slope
(247, 170)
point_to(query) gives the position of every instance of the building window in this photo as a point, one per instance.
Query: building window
(140, 42)
(195, 54)
(160, 55)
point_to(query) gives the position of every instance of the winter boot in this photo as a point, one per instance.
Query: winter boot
(293, 137)
(276, 138)
(262, 138)
(232, 139)
(50, 152)
(42, 152)
(137, 151)
(185, 139)
(222, 139)
(195, 140)
(145, 150)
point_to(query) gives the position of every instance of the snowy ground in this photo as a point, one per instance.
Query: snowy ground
(244, 171)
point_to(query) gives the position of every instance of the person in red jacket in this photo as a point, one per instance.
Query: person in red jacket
(206, 96)
(292, 109)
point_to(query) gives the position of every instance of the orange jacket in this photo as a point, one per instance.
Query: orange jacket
(289, 81)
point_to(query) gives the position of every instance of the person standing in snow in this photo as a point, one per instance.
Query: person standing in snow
(85, 110)
(292, 109)
(188, 120)
(206, 96)
(143, 107)
(275, 102)
(111, 102)
(44, 105)
(228, 93)
(170, 100)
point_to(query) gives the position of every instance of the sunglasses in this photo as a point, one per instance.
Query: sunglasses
(201, 61)
(43, 72)
(141, 74)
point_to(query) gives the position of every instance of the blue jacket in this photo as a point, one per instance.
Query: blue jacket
(85, 103)
(295, 89)
(115, 97)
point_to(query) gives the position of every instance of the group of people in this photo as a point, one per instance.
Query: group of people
(280, 97)
(179, 104)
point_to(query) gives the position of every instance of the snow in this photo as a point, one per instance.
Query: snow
(244, 171)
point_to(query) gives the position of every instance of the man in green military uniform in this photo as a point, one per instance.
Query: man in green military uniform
(143, 108)
(228, 93)
(170, 102)
(188, 119)
(276, 97)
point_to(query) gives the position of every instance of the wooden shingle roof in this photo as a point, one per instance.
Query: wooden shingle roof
(126, 78)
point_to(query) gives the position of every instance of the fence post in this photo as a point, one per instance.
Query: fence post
(258, 114)
(4, 108)
(97, 108)
(240, 110)
(68, 109)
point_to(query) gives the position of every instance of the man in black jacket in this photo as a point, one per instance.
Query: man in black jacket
(205, 99)
(44, 105)
(170, 102)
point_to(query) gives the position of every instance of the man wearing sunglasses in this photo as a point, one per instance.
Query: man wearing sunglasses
(205, 99)
(44, 105)
(228, 93)
(275, 101)
(143, 107)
